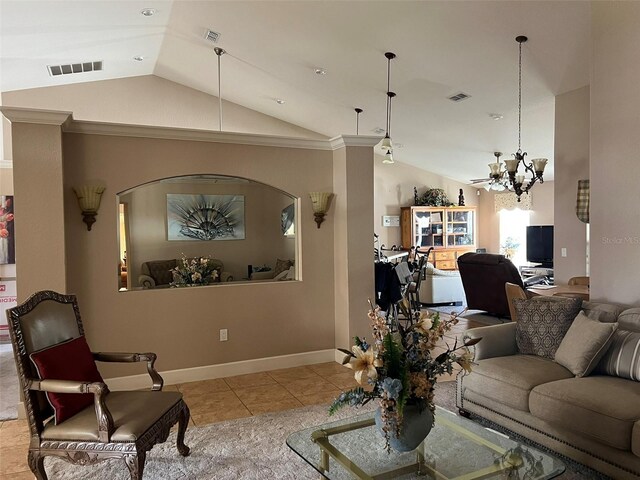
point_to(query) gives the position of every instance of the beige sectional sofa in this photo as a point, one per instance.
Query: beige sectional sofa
(594, 420)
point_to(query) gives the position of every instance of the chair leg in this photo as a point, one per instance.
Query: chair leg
(135, 464)
(36, 464)
(183, 421)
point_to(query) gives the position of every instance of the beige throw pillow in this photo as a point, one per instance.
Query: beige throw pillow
(584, 344)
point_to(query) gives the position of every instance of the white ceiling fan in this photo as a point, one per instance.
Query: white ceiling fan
(498, 179)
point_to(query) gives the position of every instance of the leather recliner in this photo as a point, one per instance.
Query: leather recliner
(483, 278)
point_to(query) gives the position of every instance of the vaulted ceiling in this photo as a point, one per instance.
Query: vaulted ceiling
(274, 47)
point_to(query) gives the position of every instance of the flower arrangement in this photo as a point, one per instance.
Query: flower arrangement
(401, 367)
(194, 271)
(432, 197)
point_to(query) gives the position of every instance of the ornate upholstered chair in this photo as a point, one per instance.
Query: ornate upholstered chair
(115, 424)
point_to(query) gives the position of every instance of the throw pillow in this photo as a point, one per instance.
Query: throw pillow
(543, 322)
(70, 360)
(584, 345)
(281, 266)
(622, 359)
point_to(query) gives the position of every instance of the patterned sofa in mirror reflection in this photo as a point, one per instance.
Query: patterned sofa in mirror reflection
(157, 273)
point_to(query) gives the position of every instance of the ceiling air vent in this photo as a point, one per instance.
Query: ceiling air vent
(212, 36)
(55, 70)
(458, 97)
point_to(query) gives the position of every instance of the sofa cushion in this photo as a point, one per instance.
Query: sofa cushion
(584, 345)
(635, 439)
(601, 407)
(543, 322)
(630, 320)
(509, 379)
(602, 312)
(281, 266)
(622, 359)
(160, 270)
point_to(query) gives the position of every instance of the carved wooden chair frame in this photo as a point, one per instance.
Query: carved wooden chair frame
(84, 452)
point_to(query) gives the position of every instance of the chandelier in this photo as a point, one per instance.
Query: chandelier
(535, 168)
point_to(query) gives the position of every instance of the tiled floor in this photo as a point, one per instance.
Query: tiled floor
(227, 398)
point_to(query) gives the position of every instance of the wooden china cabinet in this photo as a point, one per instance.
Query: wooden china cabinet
(450, 230)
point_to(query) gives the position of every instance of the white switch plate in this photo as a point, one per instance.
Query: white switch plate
(563, 251)
(224, 336)
(391, 221)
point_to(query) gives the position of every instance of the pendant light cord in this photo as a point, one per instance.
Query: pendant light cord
(388, 97)
(519, 97)
(219, 96)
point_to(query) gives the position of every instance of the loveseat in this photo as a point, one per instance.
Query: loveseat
(594, 419)
(157, 273)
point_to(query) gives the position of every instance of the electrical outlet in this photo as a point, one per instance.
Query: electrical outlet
(224, 335)
(563, 252)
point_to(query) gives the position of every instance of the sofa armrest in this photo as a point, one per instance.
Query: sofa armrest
(226, 277)
(497, 340)
(146, 281)
(268, 275)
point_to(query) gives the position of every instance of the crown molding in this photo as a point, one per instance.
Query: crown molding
(172, 133)
(65, 119)
(42, 117)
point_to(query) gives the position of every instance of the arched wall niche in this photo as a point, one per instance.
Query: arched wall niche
(244, 223)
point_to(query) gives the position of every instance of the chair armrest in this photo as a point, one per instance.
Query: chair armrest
(99, 390)
(146, 281)
(497, 340)
(149, 357)
(226, 277)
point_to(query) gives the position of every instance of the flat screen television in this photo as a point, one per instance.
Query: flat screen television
(540, 245)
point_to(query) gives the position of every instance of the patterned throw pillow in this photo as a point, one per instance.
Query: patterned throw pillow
(281, 266)
(623, 356)
(543, 322)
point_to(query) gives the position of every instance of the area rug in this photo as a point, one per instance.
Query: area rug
(9, 397)
(250, 448)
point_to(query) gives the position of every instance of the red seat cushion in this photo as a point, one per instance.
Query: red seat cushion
(70, 360)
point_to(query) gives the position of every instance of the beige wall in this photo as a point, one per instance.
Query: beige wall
(182, 325)
(615, 143)
(150, 100)
(571, 163)
(394, 189)
(6, 181)
(542, 213)
(263, 242)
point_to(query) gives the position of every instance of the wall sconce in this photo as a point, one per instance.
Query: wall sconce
(320, 203)
(89, 200)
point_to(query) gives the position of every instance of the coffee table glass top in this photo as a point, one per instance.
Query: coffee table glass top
(456, 448)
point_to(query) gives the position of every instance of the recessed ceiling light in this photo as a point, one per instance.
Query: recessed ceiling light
(280, 101)
(496, 116)
(320, 71)
(138, 58)
(148, 12)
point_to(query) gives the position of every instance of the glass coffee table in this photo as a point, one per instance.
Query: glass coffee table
(456, 448)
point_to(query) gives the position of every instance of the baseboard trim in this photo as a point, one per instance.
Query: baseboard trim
(208, 372)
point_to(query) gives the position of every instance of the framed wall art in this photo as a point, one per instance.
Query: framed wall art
(205, 217)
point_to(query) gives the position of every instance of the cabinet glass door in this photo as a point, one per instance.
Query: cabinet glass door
(460, 228)
(428, 227)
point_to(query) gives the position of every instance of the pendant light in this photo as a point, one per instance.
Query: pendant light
(387, 145)
(358, 112)
(219, 52)
(536, 167)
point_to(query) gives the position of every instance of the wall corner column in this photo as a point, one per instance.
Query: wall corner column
(353, 183)
(39, 219)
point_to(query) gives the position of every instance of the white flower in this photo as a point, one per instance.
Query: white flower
(363, 365)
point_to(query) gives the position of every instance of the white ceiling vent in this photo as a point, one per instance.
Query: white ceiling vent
(55, 70)
(458, 97)
(212, 36)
